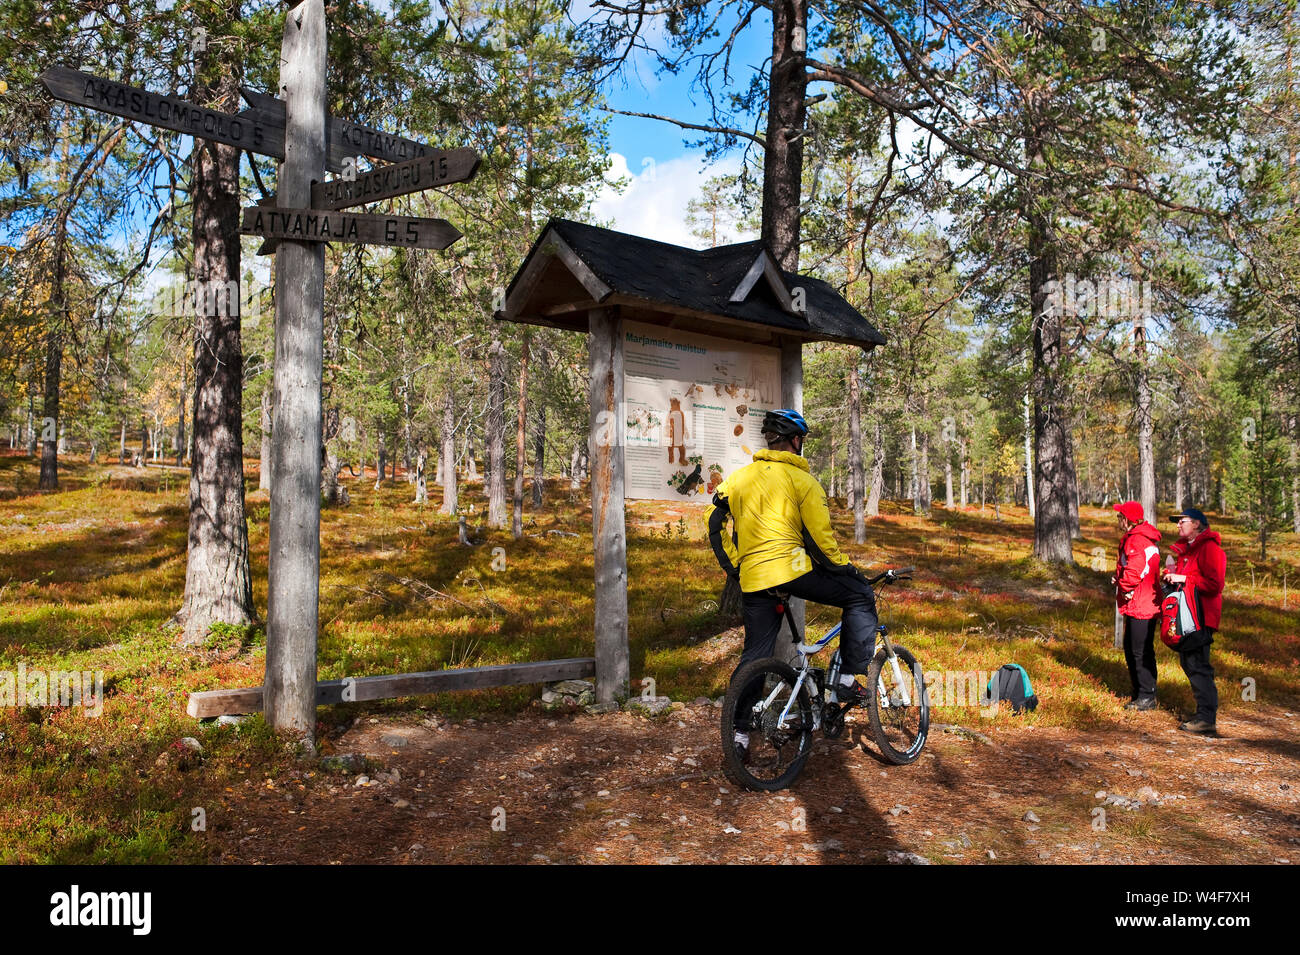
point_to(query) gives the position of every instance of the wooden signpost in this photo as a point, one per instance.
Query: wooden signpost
(399, 179)
(252, 129)
(344, 138)
(300, 220)
(323, 225)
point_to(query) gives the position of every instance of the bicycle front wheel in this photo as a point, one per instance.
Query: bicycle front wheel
(759, 693)
(900, 721)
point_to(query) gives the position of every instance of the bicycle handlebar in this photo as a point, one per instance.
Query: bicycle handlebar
(896, 573)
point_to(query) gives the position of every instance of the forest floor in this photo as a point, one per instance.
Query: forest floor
(89, 576)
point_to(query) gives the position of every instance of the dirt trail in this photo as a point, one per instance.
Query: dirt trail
(623, 788)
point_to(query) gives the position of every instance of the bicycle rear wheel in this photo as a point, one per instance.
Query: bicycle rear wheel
(901, 725)
(757, 696)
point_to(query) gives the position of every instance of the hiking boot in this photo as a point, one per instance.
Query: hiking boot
(1141, 703)
(1196, 726)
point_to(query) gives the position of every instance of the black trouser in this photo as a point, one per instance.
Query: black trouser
(1140, 652)
(847, 591)
(1196, 664)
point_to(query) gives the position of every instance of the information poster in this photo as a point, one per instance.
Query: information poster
(694, 408)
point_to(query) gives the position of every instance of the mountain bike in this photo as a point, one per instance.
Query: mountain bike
(789, 705)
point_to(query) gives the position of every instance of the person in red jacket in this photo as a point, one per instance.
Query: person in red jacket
(1137, 595)
(1201, 563)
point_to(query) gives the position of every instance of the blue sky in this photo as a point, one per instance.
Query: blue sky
(665, 173)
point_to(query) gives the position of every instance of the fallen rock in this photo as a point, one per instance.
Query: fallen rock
(598, 709)
(648, 705)
(1030, 817)
(573, 687)
(343, 763)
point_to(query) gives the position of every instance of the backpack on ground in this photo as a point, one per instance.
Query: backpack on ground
(1011, 683)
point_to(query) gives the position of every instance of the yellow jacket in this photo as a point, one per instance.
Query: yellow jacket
(773, 502)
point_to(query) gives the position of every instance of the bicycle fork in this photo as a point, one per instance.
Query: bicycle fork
(882, 694)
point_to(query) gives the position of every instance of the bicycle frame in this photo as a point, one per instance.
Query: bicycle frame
(807, 650)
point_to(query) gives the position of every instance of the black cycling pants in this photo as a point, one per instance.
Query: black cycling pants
(847, 591)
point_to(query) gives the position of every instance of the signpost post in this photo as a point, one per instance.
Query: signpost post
(301, 217)
(293, 562)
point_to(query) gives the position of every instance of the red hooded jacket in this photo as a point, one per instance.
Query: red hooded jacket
(1137, 571)
(1206, 567)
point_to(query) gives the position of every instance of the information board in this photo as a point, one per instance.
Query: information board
(693, 407)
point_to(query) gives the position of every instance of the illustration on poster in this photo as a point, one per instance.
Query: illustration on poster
(694, 405)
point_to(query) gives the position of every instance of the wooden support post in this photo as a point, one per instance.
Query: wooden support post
(792, 397)
(206, 704)
(294, 560)
(609, 528)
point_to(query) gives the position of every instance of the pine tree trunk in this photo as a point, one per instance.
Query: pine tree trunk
(448, 438)
(264, 467)
(1053, 472)
(1146, 429)
(1180, 490)
(1029, 458)
(521, 435)
(329, 476)
(121, 446)
(786, 121)
(1072, 495)
(421, 490)
(830, 494)
(381, 459)
(496, 445)
(857, 477)
(49, 480)
(947, 477)
(915, 489)
(1295, 472)
(407, 453)
(180, 418)
(964, 452)
(923, 473)
(877, 470)
(539, 453)
(218, 586)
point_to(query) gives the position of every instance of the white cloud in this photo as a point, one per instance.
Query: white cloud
(653, 204)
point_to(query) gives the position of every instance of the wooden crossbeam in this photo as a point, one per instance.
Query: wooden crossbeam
(209, 703)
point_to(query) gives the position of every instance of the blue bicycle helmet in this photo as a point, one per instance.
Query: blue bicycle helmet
(786, 422)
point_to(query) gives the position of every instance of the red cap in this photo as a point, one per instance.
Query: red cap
(1131, 510)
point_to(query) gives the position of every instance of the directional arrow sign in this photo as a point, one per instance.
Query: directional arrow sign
(324, 225)
(437, 169)
(344, 138)
(253, 129)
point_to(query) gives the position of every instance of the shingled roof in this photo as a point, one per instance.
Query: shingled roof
(733, 290)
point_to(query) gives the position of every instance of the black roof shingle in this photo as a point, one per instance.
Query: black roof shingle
(650, 273)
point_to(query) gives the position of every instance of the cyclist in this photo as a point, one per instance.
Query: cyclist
(783, 539)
